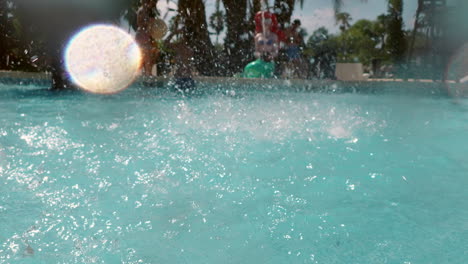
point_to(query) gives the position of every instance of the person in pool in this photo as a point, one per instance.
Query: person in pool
(294, 40)
(266, 52)
(266, 47)
(266, 41)
(294, 44)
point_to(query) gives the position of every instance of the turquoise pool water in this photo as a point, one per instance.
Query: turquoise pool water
(232, 176)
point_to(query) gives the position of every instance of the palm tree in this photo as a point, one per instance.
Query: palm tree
(343, 19)
(284, 10)
(380, 29)
(217, 21)
(415, 29)
(337, 4)
(396, 39)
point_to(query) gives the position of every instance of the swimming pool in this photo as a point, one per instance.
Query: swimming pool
(233, 175)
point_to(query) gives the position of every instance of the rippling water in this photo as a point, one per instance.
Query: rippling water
(149, 176)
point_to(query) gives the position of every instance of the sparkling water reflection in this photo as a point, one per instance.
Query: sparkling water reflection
(272, 177)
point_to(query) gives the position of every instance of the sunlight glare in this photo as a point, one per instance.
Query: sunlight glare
(102, 59)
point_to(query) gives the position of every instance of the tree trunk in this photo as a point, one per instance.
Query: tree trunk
(238, 44)
(193, 17)
(415, 30)
(396, 37)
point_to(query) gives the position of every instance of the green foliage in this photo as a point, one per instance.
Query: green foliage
(364, 41)
(343, 20)
(322, 47)
(319, 42)
(358, 43)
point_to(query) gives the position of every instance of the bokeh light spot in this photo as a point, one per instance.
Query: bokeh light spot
(102, 59)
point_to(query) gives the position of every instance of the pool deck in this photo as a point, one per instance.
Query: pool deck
(372, 85)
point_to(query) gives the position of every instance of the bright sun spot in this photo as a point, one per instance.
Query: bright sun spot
(102, 59)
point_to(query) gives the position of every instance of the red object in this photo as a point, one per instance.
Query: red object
(265, 15)
(274, 24)
(281, 35)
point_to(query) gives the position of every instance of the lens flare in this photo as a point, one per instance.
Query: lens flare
(102, 59)
(457, 73)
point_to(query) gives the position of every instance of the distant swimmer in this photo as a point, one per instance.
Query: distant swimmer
(294, 45)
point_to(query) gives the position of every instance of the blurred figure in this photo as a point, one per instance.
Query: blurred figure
(266, 38)
(266, 46)
(148, 45)
(296, 65)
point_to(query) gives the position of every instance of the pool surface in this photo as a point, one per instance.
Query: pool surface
(232, 176)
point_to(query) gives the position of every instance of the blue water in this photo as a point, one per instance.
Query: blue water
(232, 176)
